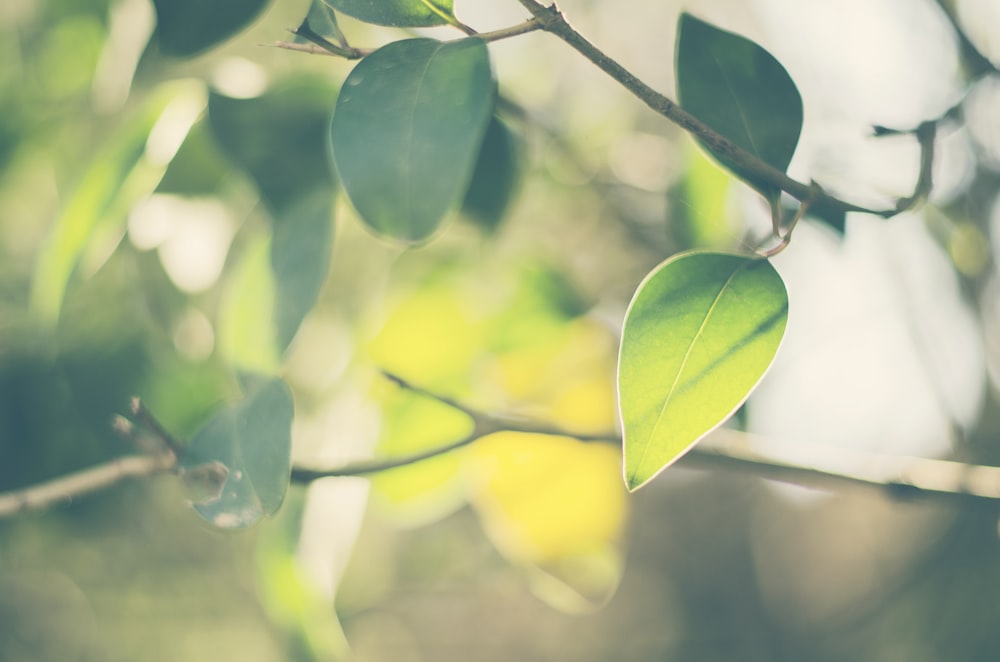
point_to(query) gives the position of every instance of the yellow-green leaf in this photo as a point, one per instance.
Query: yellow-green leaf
(700, 332)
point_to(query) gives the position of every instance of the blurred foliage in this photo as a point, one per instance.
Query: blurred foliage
(156, 212)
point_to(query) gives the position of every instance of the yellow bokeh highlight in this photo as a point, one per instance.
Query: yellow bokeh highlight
(567, 381)
(430, 338)
(423, 492)
(543, 498)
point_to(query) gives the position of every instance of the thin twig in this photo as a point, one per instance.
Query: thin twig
(147, 419)
(73, 485)
(555, 22)
(894, 476)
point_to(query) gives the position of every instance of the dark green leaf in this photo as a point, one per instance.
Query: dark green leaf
(495, 177)
(198, 168)
(741, 91)
(322, 21)
(699, 334)
(406, 131)
(836, 219)
(300, 259)
(240, 461)
(187, 27)
(398, 13)
(279, 138)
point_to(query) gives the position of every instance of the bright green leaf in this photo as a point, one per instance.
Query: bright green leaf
(242, 457)
(407, 130)
(399, 13)
(495, 177)
(187, 27)
(740, 90)
(699, 334)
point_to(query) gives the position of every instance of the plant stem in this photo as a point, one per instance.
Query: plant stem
(553, 21)
(70, 486)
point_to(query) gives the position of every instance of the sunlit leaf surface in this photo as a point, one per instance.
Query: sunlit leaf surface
(398, 13)
(699, 334)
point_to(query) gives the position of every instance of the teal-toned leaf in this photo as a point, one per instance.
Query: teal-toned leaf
(399, 13)
(240, 461)
(835, 219)
(321, 21)
(407, 130)
(300, 259)
(273, 284)
(699, 334)
(198, 168)
(188, 27)
(495, 177)
(740, 90)
(279, 138)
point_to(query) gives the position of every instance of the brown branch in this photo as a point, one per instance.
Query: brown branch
(554, 22)
(894, 476)
(70, 486)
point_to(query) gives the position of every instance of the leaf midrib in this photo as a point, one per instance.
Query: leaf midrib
(684, 362)
(411, 126)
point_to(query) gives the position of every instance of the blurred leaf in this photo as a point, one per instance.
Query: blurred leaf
(398, 13)
(407, 128)
(699, 334)
(427, 491)
(702, 221)
(835, 219)
(430, 337)
(300, 259)
(322, 21)
(565, 378)
(198, 169)
(544, 498)
(250, 442)
(278, 138)
(248, 337)
(495, 177)
(580, 583)
(121, 174)
(187, 27)
(740, 90)
(275, 284)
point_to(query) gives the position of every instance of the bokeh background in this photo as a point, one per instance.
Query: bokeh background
(138, 195)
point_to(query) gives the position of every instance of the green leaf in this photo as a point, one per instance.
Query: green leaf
(699, 334)
(274, 284)
(494, 178)
(300, 259)
(278, 138)
(321, 21)
(399, 13)
(740, 90)
(407, 129)
(835, 219)
(122, 172)
(187, 27)
(242, 457)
